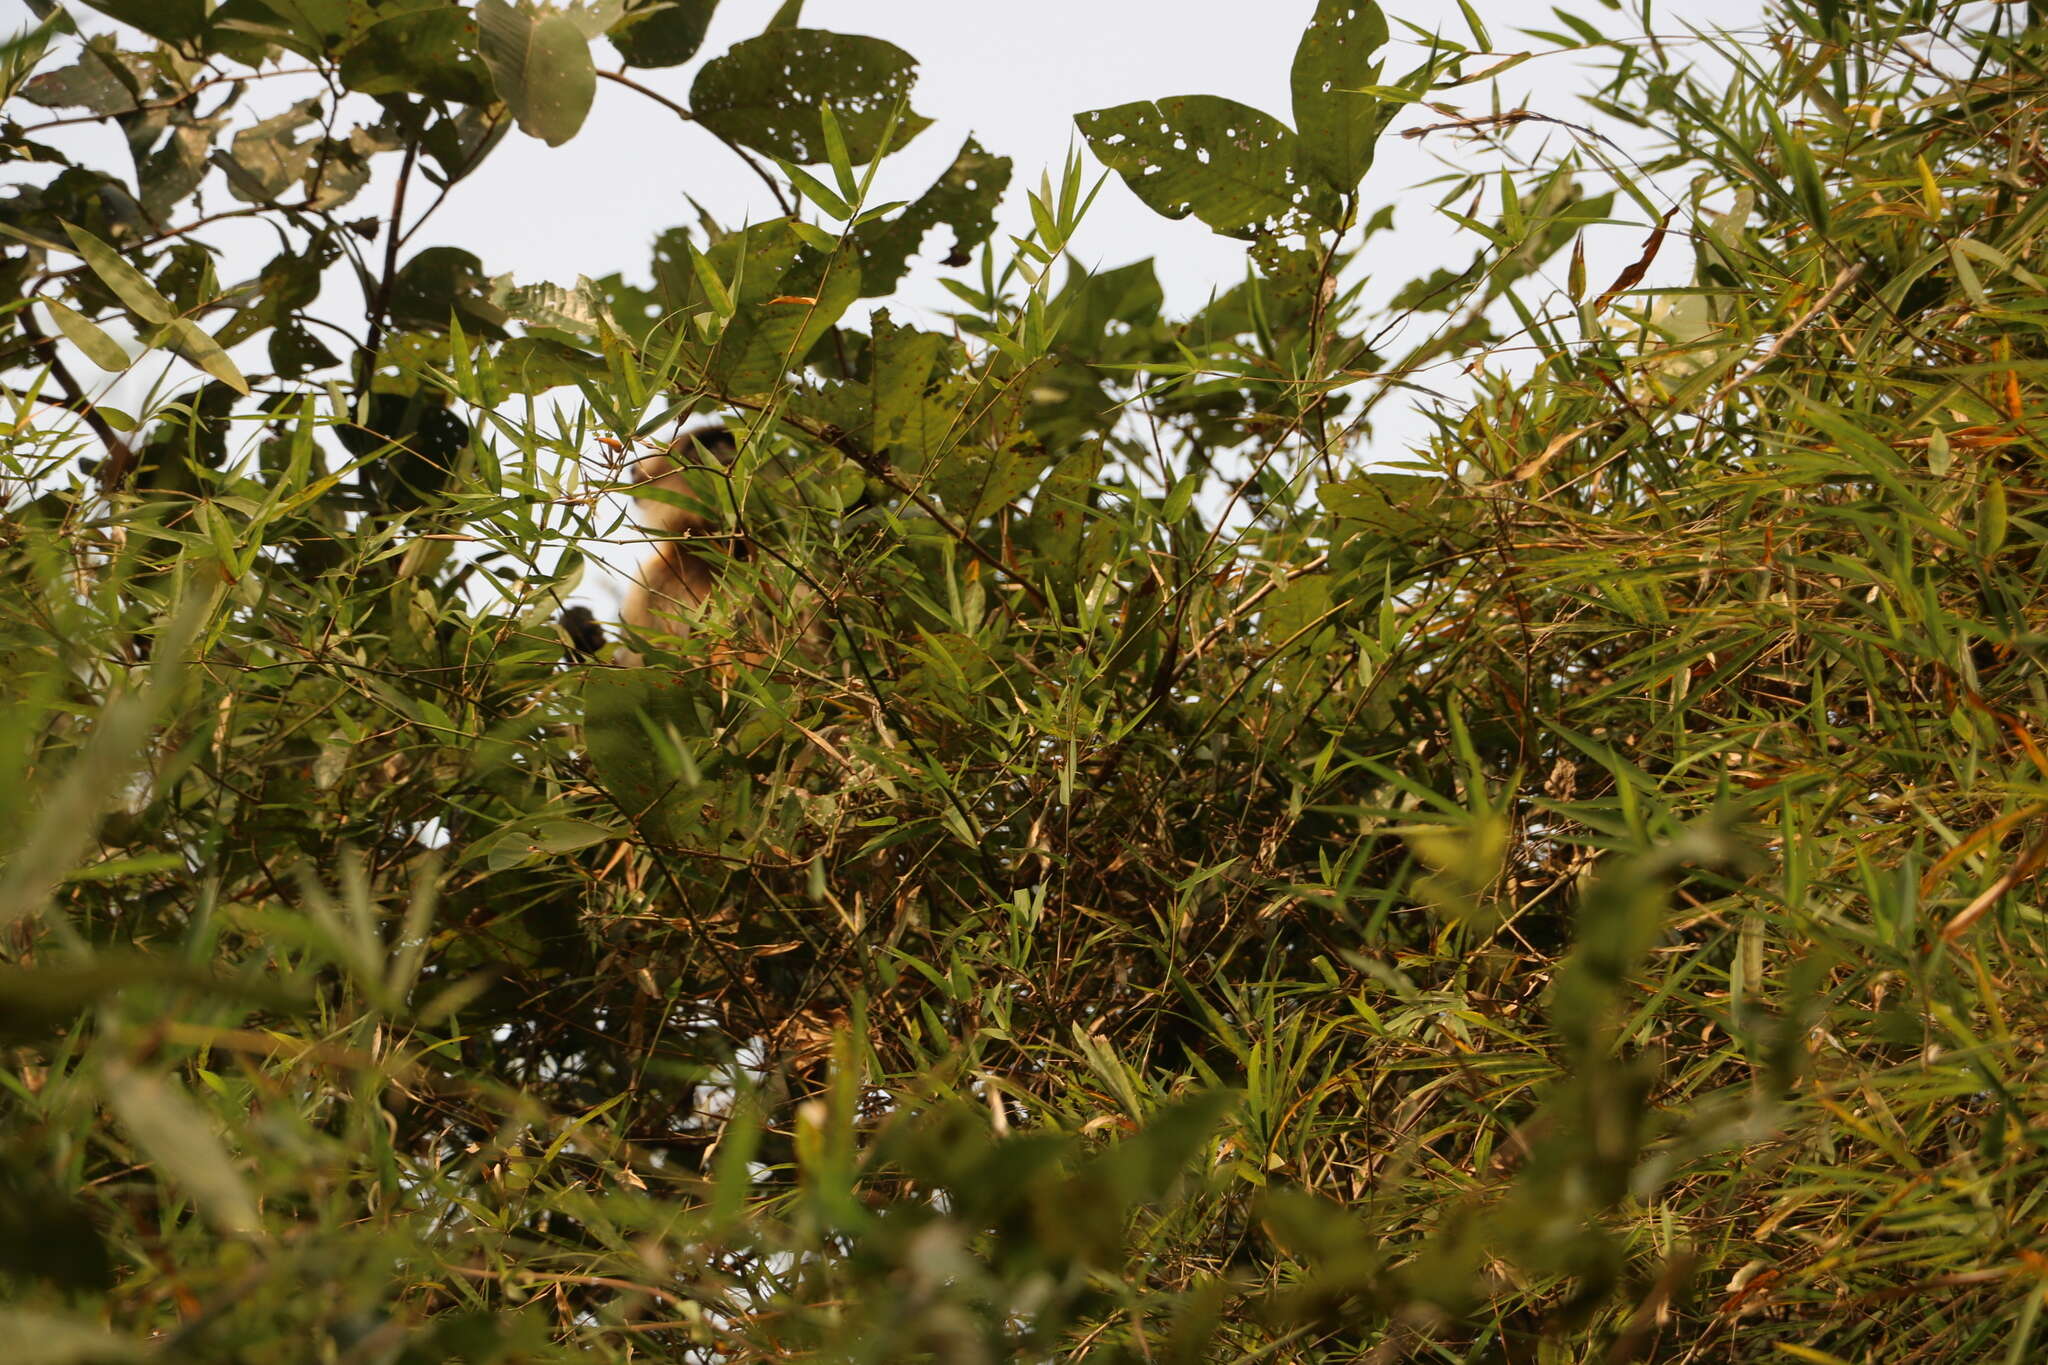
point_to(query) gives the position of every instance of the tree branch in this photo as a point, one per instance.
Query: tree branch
(115, 470)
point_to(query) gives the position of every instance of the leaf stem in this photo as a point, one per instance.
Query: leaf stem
(682, 112)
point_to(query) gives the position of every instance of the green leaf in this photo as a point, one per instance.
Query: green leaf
(788, 294)
(1295, 608)
(1400, 507)
(1226, 163)
(837, 154)
(578, 310)
(439, 281)
(127, 283)
(662, 33)
(715, 292)
(623, 710)
(542, 66)
(526, 842)
(815, 190)
(976, 484)
(171, 21)
(566, 836)
(20, 54)
(459, 141)
(902, 370)
(266, 159)
(765, 93)
(1142, 1167)
(101, 349)
(100, 81)
(36, 1338)
(187, 339)
(170, 173)
(431, 52)
(294, 350)
(1338, 128)
(537, 364)
(964, 199)
(1479, 34)
(42, 1002)
(179, 1141)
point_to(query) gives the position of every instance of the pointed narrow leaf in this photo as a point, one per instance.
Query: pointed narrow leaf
(175, 1135)
(101, 349)
(714, 288)
(187, 339)
(836, 153)
(127, 283)
(37, 1338)
(1472, 22)
(813, 189)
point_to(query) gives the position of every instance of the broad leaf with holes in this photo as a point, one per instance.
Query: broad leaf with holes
(789, 294)
(1233, 167)
(766, 92)
(1339, 126)
(963, 200)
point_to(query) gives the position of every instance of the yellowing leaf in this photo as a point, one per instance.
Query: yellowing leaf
(187, 339)
(101, 349)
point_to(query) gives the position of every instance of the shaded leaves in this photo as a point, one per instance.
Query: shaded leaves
(1226, 163)
(765, 93)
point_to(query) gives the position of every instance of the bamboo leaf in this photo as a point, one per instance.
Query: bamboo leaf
(101, 349)
(127, 283)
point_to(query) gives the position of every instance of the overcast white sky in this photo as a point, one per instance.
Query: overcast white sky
(1015, 81)
(594, 205)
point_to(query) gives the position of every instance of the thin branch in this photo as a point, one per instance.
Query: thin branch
(380, 302)
(682, 112)
(120, 462)
(877, 465)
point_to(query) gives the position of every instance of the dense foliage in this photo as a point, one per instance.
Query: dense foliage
(1125, 867)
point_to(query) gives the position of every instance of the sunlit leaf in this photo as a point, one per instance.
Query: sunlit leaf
(101, 349)
(177, 1137)
(541, 63)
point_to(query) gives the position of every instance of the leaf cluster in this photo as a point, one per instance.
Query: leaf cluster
(1120, 867)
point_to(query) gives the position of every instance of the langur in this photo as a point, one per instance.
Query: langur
(679, 579)
(675, 581)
